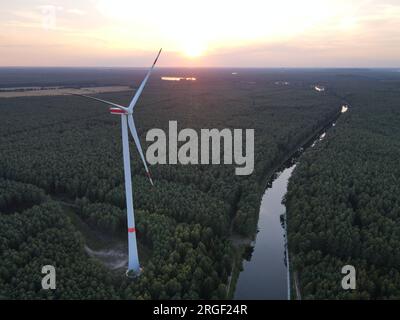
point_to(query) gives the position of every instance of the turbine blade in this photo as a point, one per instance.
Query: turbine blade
(139, 91)
(101, 100)
(135, 136)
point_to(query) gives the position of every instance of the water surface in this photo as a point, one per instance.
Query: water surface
(265, 275)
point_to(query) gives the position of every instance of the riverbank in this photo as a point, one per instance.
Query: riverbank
(346, 193)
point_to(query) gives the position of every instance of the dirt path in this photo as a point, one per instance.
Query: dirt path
(39, 92)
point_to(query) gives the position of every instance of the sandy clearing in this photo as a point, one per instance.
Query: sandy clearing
(63, 91)
(112, 258)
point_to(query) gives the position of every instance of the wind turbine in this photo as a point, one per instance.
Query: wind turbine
(127, 121)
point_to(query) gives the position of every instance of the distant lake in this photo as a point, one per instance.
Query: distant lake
(178, 78)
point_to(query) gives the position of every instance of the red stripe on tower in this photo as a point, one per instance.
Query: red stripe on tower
(131, 230)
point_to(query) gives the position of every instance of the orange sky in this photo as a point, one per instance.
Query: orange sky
(218, 33)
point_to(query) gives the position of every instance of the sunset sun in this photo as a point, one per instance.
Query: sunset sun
(193, 50)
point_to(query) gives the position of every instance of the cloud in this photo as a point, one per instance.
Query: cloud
(251, 33)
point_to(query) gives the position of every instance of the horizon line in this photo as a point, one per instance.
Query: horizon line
(199, 67)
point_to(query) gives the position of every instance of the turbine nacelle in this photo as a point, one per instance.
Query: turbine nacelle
(118, 111)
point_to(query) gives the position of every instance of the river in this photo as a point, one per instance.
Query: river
(265, 274)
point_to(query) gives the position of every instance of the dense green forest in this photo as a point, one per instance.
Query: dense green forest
(343, 200)
(61, 163)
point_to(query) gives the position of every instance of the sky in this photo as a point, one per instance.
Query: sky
(200, 33)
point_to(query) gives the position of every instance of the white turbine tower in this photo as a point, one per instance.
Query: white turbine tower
(127, 121)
